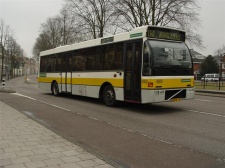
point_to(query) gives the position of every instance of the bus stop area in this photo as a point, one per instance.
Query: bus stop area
(26, 143)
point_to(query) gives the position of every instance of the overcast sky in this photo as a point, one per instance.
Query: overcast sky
(26, 16)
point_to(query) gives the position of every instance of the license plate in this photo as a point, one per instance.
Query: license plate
(175, 99)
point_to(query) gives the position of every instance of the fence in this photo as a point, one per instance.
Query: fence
(210, 85)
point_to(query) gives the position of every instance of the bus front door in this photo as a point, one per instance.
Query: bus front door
(66, 74)
(132, 75)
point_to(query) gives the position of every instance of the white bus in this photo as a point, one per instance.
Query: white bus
(146, 65)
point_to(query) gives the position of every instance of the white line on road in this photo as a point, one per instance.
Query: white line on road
(54, 106)
(206, 113)
(21, 95)
(17, 94)
(203, 100)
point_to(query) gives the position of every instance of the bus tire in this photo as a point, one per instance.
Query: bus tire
(109, 96)
(55, 89)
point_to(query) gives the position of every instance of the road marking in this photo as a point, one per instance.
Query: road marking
(203, 100)
(129, 130)
(21, 95)
(59, 107)
(17, 94)
(193, 111)
(206, 113)
(147, 136)
(54, 105)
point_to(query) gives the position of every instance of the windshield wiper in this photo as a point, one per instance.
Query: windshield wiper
(160, 66)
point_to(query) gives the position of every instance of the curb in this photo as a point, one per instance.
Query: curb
(210, 91)
(7, 90)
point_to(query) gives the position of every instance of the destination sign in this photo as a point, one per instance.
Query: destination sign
(167, 34)
(107, 40)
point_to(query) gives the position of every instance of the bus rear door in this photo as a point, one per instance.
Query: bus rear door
(66, 74)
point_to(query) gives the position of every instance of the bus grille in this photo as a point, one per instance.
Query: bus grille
(170, 94)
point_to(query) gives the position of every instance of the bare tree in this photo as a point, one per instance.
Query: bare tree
(172, 13)
(51, 29)
(11, 51)
(94, 16)
(15, 53)
(56, 31)
(69, 29)
(50, 36)
(4, 36)
(42, 43)
(220, 51)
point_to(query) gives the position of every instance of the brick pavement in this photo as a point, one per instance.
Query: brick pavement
(27, 144)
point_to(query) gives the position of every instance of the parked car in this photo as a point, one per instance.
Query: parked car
(210, 77)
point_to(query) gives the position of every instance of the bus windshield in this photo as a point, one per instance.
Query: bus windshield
(170, 55)
(162, 58)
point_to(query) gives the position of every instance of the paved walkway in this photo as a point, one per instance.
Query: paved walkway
(27, 144)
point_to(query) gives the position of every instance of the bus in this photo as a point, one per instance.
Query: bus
(148, 64)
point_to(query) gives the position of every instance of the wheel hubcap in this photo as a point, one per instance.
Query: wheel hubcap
(109, 96)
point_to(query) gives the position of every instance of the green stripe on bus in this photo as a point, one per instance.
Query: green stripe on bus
(185, 80)
(42, 75)
(135, 35)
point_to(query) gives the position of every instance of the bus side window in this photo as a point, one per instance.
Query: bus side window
(118, 56)
(74, 60)
(43, 66)
(81, 61)
(99, 58)
(93, 62)
(51, 64)
(109, 57)
(58, 67)
(64, 62)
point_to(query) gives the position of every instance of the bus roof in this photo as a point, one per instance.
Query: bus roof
(136, 33)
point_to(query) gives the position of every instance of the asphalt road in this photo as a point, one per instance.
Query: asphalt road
(185, 134)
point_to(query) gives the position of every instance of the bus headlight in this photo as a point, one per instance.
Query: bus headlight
(191, 90)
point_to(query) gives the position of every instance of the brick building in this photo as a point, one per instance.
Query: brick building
(221, 62)
(197, 61)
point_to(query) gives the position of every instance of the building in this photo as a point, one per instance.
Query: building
(198, 59)
(220, 59)
(30, 66)
(15, 66)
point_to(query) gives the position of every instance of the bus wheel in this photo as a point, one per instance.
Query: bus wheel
(55, 89)
(109, 96)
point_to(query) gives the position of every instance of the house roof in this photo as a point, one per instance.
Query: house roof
(197, 57)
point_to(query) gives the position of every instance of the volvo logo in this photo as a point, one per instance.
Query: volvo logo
(159, 81)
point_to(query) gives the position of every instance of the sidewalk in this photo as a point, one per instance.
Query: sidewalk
(27, 144)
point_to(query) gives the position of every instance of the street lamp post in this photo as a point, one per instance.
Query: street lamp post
(220, 72)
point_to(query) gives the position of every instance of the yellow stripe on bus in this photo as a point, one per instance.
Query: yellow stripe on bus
(83, 81)
(167, 83)
(145, 83)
